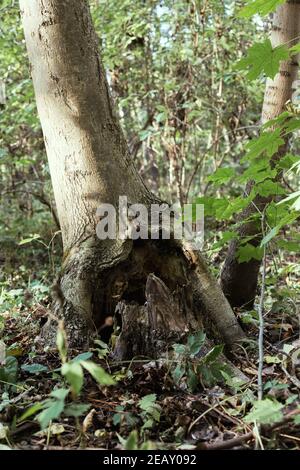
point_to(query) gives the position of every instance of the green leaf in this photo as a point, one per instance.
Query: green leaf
(147, 401)
(265, 412)
(29, 240)
(296, 419)
(212, 355)
(53, 411)
(61, 344)
(267, 143)
(9, 371)
(82, 357)
(178, 373)
(60, 393)
(268, 188)
(192, 380)
(247, 252)
(131, 443)
(74, 375)
(76, 409)
(179, 349)
(261, 7)
(270, 235)
(195, 342)
(291, 197)
(222, 175)
(98, 373)
(262, 58)
(31, 411)
(34, 368)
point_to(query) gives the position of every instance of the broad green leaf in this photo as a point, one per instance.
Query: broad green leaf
(267, 143)
(195, 342)
(247, 252)
(265, 412)
(261, 7)
(213, 354)
(222, 175)
(60, 393)
(53, 411)
(147, 401)
(262, 58)
(98, 373)
(74, 375)
(268, 188)
(76, 409)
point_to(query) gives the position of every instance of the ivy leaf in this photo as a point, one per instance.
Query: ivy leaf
(262, 58)
(261, 7)
(265, 412)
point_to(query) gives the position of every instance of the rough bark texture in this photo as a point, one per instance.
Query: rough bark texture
(90, 165)
(239, 280)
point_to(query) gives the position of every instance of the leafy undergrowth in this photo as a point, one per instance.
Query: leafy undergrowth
(58, 398)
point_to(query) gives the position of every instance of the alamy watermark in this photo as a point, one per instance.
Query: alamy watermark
(159, 221)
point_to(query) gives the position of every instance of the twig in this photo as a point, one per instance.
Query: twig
(236, 441)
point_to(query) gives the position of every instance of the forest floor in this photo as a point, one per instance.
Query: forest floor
(147, 403)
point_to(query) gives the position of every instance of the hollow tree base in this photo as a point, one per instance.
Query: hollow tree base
(157, 291)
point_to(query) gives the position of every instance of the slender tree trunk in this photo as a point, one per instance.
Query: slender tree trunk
(90, 165)
(239, 280)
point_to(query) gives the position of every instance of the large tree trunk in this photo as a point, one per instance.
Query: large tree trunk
(90, 165)
(239, 280)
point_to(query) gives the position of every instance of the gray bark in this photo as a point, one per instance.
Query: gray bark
(89, 165)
